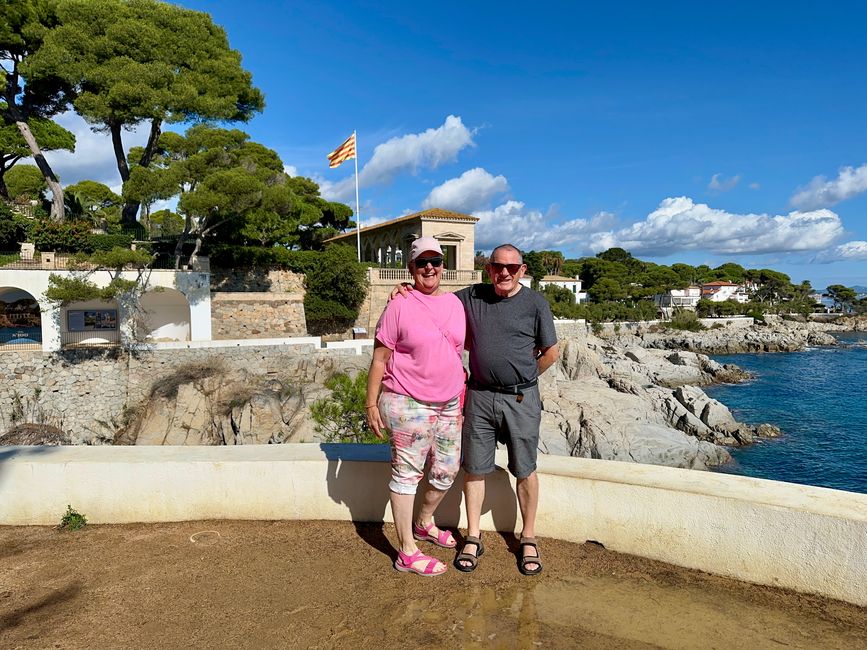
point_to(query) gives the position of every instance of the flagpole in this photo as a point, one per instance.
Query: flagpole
(357, 205)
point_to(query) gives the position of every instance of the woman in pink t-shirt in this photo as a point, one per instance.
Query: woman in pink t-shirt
(418, 365)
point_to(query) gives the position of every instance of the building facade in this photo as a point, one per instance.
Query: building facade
(721, 290)
(385, 246)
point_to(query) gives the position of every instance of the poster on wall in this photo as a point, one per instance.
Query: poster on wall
(88, 320)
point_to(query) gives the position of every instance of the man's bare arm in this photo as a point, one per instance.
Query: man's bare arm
(546, 357)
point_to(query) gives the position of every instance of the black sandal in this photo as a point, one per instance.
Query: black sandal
(473, 560)
(523, 560)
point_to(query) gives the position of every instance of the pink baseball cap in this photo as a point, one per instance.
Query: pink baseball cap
(423, 244)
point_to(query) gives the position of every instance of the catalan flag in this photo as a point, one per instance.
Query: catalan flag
(342, 153)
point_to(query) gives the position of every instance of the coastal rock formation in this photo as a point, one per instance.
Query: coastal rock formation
(209, 404)
(639, 405)
(775, 335)
(600, 401)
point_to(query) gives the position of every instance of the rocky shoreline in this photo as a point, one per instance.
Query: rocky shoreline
(600, 401)
(776, 334)
(633, 397)
(640, 405)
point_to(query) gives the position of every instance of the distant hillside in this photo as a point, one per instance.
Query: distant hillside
(860, 288)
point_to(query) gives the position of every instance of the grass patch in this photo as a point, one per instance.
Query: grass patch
(189, 373)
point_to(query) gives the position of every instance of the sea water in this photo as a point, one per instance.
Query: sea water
(818, 397)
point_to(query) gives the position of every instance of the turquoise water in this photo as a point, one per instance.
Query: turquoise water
(818, 397)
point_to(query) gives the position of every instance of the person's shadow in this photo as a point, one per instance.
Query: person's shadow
(358, 477)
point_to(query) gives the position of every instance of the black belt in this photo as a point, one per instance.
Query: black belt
(516, 389)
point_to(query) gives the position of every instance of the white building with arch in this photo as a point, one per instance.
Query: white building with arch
(175, 306)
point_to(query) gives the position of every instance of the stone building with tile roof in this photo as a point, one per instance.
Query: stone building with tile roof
(388, 243)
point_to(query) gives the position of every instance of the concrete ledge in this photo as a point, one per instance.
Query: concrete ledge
(314, 341)
(804, 538)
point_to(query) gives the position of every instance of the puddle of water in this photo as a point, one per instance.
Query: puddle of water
(626, 612)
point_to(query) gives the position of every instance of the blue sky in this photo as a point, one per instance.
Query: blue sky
(689, 132)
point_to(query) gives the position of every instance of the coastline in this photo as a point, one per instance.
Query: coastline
(633, 397)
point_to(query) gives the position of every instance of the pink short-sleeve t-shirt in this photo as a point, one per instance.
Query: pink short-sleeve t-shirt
(426, 336)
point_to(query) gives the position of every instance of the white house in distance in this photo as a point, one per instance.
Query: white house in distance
(722, 290)
(678, 298)
(176, 306)
(571, 284)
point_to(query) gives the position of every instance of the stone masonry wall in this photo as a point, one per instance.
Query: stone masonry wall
(257, 315)
(77, 390)
(257, 280)
(257, 303)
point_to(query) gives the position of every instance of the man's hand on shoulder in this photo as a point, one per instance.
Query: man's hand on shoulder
(402, 289)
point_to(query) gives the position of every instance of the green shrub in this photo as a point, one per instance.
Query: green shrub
(684, 319)
(67, 237)
(64, 290)
(342, 417)
(72, 520)
(13, 229)
(95, 243)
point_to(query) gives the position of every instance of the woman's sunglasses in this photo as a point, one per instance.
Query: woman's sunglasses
(421, 262)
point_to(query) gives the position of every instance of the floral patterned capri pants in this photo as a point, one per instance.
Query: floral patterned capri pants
(420, 430)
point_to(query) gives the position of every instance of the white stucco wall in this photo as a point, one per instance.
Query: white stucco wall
(804, 538)
(166, 316)
(195, 286)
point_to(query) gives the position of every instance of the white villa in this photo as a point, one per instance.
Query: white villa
(678, 298)
(722, 290)
(571, 284)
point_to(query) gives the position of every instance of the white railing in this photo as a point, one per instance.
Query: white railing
(402, 275)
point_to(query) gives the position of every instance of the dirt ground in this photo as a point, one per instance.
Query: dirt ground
(331, 585)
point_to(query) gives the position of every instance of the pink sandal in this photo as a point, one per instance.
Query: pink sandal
(444, 539)
(405, 563)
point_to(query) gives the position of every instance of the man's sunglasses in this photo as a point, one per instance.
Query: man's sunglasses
(421, 262)
(496, 267)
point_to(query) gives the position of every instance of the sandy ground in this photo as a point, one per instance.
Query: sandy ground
(331, 585)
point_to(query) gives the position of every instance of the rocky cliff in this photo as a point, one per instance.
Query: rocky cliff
(600, 401)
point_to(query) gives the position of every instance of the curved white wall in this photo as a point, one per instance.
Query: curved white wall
(804, 538)
(166, 316)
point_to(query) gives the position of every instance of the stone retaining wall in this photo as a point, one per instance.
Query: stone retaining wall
(85, 392)
(257, 280)
(257, 315)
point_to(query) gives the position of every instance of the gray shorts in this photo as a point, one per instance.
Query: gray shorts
(490, 418)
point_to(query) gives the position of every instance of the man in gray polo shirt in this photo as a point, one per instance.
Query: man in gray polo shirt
(511, 341)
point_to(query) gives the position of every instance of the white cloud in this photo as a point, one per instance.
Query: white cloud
(719, 183)
(679, 224)
(472, 190)
(852, 251)
(93, 158)
(755, 186)
(291, 170)
(407, 153)
(513, 223)
(820, 192)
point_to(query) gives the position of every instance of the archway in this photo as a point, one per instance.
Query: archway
(20, 320)
(165, 316)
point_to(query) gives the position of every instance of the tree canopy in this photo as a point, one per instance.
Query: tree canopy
(134, 61)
